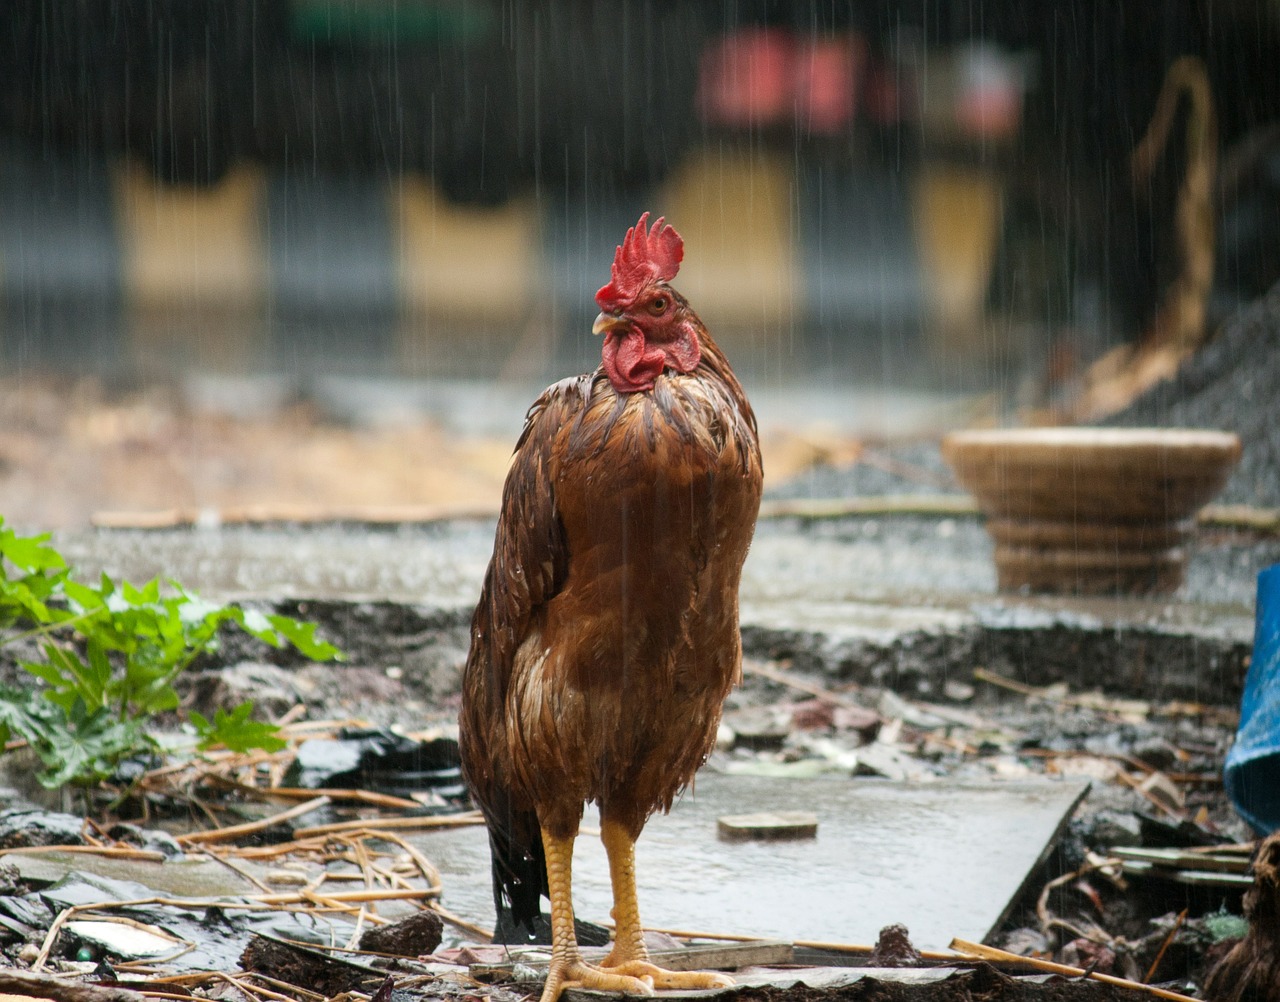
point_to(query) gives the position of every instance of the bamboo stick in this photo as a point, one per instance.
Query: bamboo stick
(732, 937)
(234, 832)
(800, 685)
(110, 851)
(992, 953)
(426, 821)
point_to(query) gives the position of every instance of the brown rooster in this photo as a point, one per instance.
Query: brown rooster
(606, 637)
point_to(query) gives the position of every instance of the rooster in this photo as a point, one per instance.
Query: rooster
(606, 636)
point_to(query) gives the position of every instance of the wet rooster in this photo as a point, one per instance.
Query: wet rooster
(606, 637)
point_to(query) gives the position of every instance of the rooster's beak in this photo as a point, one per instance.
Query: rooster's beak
(606, 322)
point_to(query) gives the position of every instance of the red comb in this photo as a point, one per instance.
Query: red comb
(645, 255)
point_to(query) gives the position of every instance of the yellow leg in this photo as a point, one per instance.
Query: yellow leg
(568, 969)
(629, 954)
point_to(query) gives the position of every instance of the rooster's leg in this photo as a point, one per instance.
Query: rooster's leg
(629, 954)
(567, 966)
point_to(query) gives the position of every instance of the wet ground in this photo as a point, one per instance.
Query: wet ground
(872, 609)
(905, 601)
(884, 852)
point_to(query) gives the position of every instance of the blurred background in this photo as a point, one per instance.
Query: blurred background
(363, 213)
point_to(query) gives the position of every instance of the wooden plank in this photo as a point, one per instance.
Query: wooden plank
(713, 956)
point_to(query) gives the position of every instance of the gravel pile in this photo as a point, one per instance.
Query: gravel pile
(1232, 384)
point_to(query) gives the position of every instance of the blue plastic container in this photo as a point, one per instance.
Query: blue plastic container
(1252, 773)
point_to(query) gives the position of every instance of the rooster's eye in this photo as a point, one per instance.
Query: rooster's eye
(658, 305)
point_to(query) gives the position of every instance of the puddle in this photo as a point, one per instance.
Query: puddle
(943, 860)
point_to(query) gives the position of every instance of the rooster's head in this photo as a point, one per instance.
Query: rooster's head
(648, 326)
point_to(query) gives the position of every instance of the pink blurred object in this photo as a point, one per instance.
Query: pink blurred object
(989, 93)
(746, 78)
(827, 76)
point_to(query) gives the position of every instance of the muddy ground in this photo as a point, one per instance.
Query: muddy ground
(862, 704)
(787, 721)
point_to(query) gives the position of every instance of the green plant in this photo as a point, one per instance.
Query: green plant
(111, 655)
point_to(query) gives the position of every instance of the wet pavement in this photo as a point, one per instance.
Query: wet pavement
(945, 860)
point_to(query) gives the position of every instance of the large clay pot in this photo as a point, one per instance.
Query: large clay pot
(1091, 510)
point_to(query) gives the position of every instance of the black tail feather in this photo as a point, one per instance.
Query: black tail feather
(520, 883)
(519, 873)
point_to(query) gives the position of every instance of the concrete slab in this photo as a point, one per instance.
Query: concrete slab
(944, 860)
(187, 878)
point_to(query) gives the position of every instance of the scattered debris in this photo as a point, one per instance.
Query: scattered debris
(1251, 971)
(992, 954)
(301, 966)
(382, 761)
(1225, 866)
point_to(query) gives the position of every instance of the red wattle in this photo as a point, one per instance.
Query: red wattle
(630, 363)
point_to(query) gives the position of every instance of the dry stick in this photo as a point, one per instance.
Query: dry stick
(309, 728)
(257, 990)
(346, 897)
(366, 870)
(1151, 798)
(431, 821)
(232, 866)
(808, 944)
(428, 870)
(1241, 516)
(1155, 964)
(992, 953)
(1232, 516)
(810, 688)
(110, 851)
(328, 948)
(233, 832)
(984, 675)
(1245, 848)
(1042, 903)
(267, 979)
(54, 928)
(888, 504)
(297, 846)
(306, 793)
(291, 715)
(1031, 691)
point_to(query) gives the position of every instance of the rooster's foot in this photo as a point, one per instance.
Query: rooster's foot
(577, 973)
(659, 977)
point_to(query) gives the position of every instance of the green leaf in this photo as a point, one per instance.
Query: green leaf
(303, 636)
(82, 596)
(23, 712)
(29, 553)
(236, 731)
(146, 595)
(88, 750)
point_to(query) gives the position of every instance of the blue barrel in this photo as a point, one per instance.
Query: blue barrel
(1253, 765)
